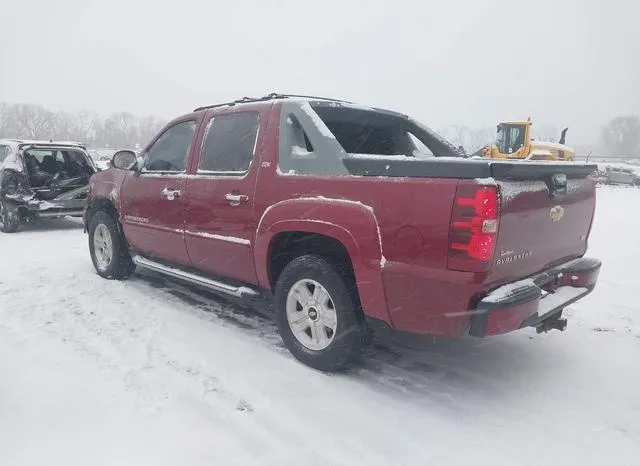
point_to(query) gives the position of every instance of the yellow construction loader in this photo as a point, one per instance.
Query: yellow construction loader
(513, 141)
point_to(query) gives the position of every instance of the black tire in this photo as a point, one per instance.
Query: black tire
(120, 266)
(347, 338)
(8, 223)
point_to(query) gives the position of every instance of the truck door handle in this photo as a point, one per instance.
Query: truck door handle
(236, 199)
(170, 194)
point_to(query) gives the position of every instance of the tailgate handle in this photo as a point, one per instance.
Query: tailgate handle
(557, 184)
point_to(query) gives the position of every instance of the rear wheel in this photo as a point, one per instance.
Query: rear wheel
(9, 222)
(108, 249)
(317, 313)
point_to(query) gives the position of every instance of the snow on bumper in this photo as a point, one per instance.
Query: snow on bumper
(531, 301)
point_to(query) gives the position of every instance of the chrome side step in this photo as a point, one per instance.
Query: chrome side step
(64, 213)
(214, 285)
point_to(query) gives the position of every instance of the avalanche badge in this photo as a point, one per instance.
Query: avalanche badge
(556, 213)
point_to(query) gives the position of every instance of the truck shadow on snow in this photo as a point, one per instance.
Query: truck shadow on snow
(427, 368)
(57, 224)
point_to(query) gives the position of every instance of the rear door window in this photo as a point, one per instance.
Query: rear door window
(229, 143)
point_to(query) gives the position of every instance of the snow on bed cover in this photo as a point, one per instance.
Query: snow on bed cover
(380, 157)
(511, 189)
(558, 163)
(403, 157)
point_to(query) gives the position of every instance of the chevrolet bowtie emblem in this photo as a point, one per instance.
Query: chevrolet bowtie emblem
(556, 213)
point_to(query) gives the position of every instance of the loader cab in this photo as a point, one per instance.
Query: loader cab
(512, 139)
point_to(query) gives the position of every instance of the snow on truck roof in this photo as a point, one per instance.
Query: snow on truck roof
(275, 96)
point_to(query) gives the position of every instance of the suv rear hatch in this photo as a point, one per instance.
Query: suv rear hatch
(57, 172)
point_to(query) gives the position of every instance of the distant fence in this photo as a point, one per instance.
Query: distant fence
(607, 159)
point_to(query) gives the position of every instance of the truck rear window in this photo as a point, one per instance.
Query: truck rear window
(320, 138)
(361, 131)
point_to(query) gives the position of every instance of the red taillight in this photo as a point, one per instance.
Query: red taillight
(474, 227)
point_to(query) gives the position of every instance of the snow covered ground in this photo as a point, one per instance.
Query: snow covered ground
(145, 372)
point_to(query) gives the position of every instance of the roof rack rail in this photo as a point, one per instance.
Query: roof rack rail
(272, 96)
(315, 97)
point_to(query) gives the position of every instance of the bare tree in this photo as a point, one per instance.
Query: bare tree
(64, 126)
(121, 129)
(548, 133)
(7, 120)
(471, 139)
(622, 136)
(84, 126)
(479, 138)
(148, 127)
(34, 121)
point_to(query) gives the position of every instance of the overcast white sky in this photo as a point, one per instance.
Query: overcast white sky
(473, 62)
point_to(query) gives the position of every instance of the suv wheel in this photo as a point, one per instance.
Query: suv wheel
(317, 313)
(108, 249)
(8, 223)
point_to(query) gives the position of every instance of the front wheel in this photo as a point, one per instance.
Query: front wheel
(317, 313)
(9, 222)
(108, 249)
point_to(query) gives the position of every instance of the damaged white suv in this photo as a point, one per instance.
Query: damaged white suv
(42, 179)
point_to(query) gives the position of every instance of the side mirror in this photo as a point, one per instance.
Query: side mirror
(124, 160)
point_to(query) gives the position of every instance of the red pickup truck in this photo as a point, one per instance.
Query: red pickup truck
(351, 216)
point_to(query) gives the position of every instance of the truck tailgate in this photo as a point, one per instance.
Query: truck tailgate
(546, 210)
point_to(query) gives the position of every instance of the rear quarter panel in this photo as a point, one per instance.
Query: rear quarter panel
(400, 268)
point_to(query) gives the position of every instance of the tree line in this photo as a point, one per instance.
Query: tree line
(119, 130)
(620, 137)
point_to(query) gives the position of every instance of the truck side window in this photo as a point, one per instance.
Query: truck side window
(230, 143)
(4, 151)
(299, 140)
(170, 151)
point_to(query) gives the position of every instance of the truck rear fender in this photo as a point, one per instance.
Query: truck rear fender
(351, 223)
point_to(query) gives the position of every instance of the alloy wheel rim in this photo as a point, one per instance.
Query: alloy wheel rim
(311, 314)
(3, 214)
(102, 246)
